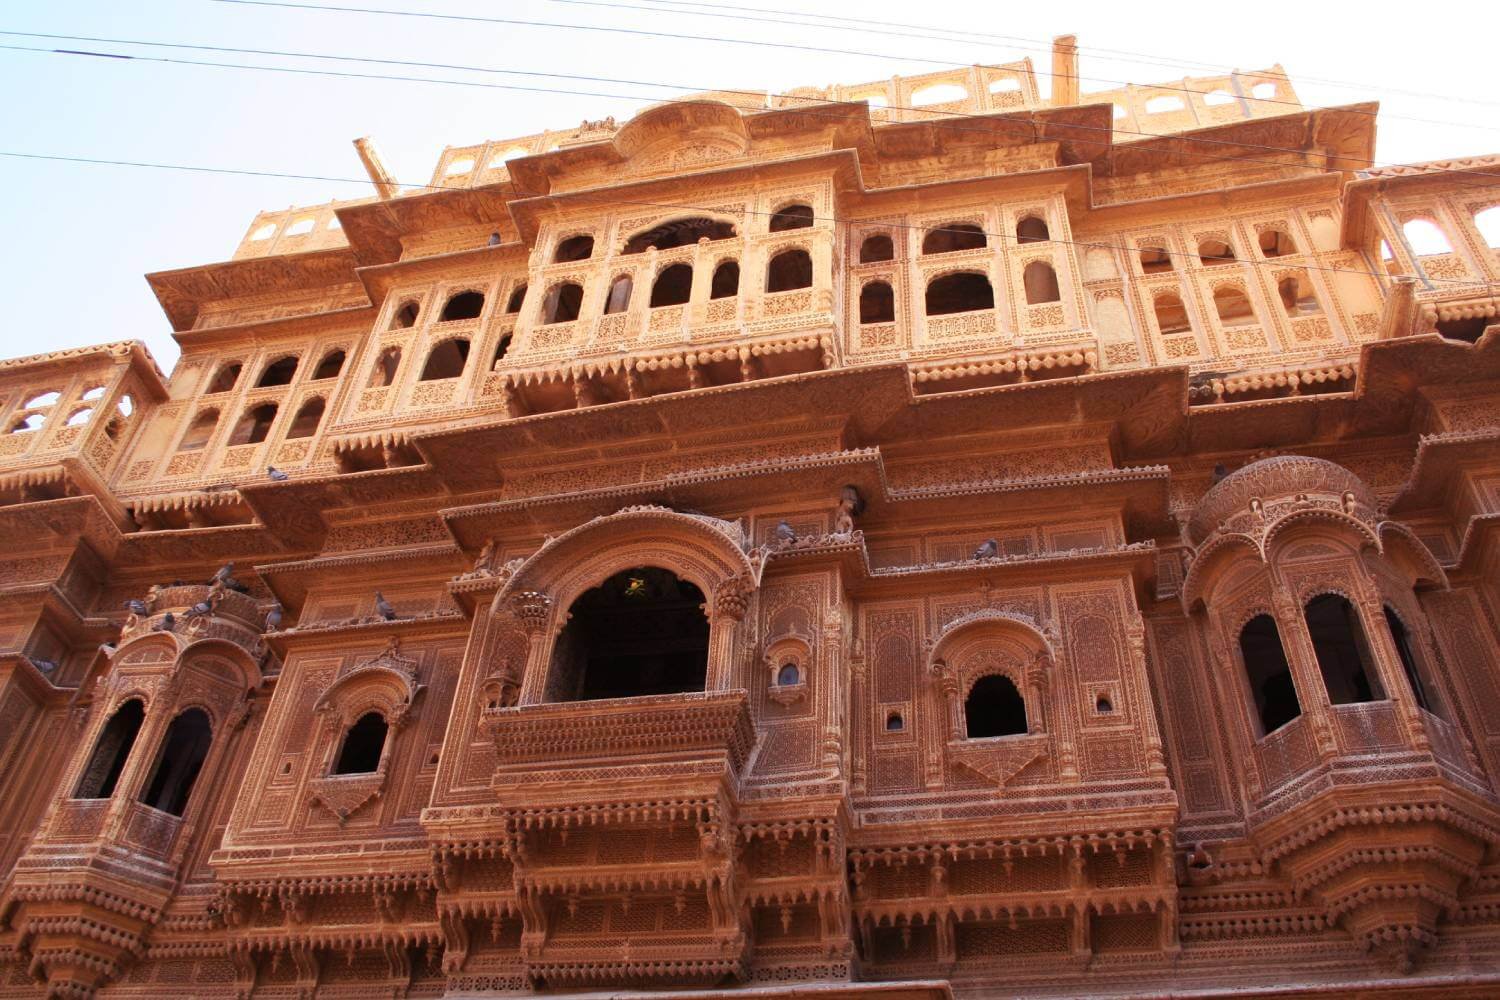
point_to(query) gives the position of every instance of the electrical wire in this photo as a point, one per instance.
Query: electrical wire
(802, 111)
(675, 36)
(747, 212)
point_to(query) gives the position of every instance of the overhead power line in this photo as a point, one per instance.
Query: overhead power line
(968, 35)
(792, 46)
(805, 111)
(679, 207)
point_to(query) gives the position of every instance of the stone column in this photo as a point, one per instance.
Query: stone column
(730, 601)
(1307, 679)
(534, 611)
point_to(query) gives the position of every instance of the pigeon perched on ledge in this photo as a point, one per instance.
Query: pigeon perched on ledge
(785, 534)
(383, 607)
(277, 476)
(137, 607)
(273, 618)
(989, 550)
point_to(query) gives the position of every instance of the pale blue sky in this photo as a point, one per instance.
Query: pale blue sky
(78, 238)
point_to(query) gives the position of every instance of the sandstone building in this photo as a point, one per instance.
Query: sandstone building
(913, 537)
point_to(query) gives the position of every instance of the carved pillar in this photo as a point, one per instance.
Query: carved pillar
(1312, 695)
(1387, 663)
(832, 696)
(731, 600)
(1063, 726)
(946, 722)
(1156, 761)
(859, 717)
(533, 610)
(1225, 660)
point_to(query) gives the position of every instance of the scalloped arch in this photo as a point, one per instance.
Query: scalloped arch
(1199, 581)
(1397, 537)
(1271, 546)
(963, 633)
(680, 121)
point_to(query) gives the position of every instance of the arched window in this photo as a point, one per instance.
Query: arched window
(1401, 638)
(1233, 306)
(726, 280)
(446, 360)
(673, 287)
(876, 248)
(894, 723)
(1032, 230)
(80, 417)
(1425, 238)
(405, 316)
(1155, 260)
(877, 303)
(1162, 104)
(1297, 296)
(619, 295)
(994, 708)
(279, 372)
(183, 751)
(1488, 224)
(225, 378)
(939, 93)
(788, 675)
(363, 745)
(330, 366)
(574, 248)
(305, 423)
(1269, 674)
(1214, 98)
(42, 399)
(1171, 314)
(1343, 653)
(640, 632)
(1277, 243)
(500, 350)
(111, 752)
(1212, 252)
(464, 305)
(255, 425)
(952, 237)
(788, 270)
(386, 367)
(1040, 282)
(199, 431)
(792, 217)
(679, 233)
(562, 303)
(517, 297)
(961, 292)
(30, 422)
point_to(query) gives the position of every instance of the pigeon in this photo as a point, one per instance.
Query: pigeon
(273, 618)
(45, 666)
(277, 476)
(167, 624)
(494, 239)
(200, 609)
(383, 607)
(137, 607)
(223, 574)
(989, 550)
(1220, 471)
(785, 533)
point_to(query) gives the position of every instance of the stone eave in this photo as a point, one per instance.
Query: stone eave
(379, 279)
(26, 674)
(1104, 827)
(294, 508)
(66, 521)
(1230, 198)
(1391, 370)
(193, 547)
(133, 352)
(1478, 547)
(290, 581)
(1074, 180)
(263, 331)
(183, 292)
(1440, 458)
(369, 629)
(1269, 423)
(1136, 559)
(1359, 227)
(375, 230)
(1083, 133)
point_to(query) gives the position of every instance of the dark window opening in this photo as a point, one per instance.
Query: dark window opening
(1155, 260)
(994, 708)
(363, 745)
(1269, 673)
(305, 423)
(1103, 704)
(1402, 640)
(894, 723)
(500, 349)
(876, 248)
(1343, 654)
(517, 297)
(1275, 243)
(279, 372)
(574, 248)
(679, 233)
(183, 751)
(788, 675)
(673, 287)
(726, 281)
(111, 752)
(619, 295)
(225, 378)
(877, 303)
(792, 217)
(641, 632)
(1467, 330)
(1040, 281)
(255, 425)
(464, 305)
(1032, 230)
(1297, 296)
(1212, 252)
(405, 317)
(447, 360)
(330, 366)
(1233, 306)
(956, 293)
(562, 303)
(789, 270)
(386, 367)
(198, 433)
(958, 236)
(1171, 315)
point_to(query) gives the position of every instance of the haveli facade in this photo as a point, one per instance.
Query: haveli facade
(911, 538)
